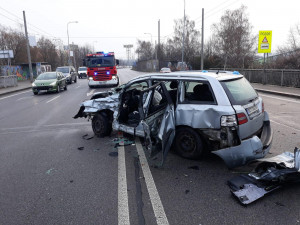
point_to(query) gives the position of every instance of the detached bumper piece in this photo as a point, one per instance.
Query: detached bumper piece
(271, 174)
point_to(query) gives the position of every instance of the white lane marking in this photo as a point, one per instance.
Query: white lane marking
(283, 99)
(53, 99)
(159, 212)
(24, 98)
(123, 209)
(90, 93)
(285, 125)
(14, 95)
(77, 87)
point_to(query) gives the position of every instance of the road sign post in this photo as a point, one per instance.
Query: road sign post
(264, 46)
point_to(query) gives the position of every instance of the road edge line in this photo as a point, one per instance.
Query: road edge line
(157, 205)
(123, 209)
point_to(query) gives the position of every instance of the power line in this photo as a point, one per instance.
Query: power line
(22, 23)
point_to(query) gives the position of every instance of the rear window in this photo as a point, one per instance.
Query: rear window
(239, 91)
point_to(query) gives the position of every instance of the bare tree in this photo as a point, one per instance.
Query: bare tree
(173, 47)
(48, 53)
(144, 50)
(233, 38)
(13, 40)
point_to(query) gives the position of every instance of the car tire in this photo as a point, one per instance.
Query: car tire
(75, 81)
(100, 125)
(66, 88)
(58, 89)
(188, 143)
(35, 93)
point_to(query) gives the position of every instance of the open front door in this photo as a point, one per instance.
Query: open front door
(158, 123)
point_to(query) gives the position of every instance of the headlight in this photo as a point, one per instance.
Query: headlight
(53, 83)
(114, 77)
(33, 84)
(90, 78)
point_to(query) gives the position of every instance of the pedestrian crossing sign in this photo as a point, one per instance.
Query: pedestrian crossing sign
(264, 41)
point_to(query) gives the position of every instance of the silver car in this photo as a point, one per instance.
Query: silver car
(192, 112)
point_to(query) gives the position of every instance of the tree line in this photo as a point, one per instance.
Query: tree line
(233, 45)
(47, 50)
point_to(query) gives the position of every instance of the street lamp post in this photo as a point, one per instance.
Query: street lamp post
(69, 59)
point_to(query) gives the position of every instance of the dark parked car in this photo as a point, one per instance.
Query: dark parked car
(69, 72)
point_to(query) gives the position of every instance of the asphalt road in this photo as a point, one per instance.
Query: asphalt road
(54, 171)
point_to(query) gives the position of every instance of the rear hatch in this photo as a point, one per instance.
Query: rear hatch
(247, 105)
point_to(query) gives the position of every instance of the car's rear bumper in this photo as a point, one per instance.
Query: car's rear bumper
(249, 149)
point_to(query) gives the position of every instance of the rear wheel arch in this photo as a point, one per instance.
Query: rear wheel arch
(189, 142)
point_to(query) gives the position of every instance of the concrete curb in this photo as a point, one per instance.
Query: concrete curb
(278, 93)
(14, 91)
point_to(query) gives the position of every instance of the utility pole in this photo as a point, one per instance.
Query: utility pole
(202, 39)
(128, 51)
(158, 46)
(183, 31)
(28, 49)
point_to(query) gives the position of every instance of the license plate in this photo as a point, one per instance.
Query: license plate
(252, 110)
(101, 82)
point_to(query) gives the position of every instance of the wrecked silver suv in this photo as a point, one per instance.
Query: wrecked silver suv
(194, 112)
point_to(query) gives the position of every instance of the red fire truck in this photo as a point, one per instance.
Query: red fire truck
(101, 69)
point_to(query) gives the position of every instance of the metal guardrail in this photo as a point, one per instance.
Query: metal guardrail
(8, 81)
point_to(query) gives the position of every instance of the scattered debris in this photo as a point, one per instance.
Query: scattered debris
(280, 204)
(187, 191)
(86, 137)
(122, 142)
(80, 148)
(71, 181)
(193, 167)
(49, 171)
(113, 154)
(97, 150)
(271, 174)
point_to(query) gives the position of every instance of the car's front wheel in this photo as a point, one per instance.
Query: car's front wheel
(66, 87)
(188, 143)
(35, 93)
(75, 81)
(100, 125)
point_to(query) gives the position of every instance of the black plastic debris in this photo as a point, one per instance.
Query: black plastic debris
(113, 154)
(86, 137)
(187, 191)
(80, 148)
(193, 167)
(269, 175)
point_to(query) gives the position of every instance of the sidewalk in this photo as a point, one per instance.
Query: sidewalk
(271, 89)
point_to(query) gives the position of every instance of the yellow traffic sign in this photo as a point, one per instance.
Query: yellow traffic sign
(264, 41)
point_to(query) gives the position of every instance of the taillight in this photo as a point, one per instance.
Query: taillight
(228, 121)
(242, 118)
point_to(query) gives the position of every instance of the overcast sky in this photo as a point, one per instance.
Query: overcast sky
(108, 25)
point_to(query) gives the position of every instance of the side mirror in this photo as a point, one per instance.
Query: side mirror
(117, 61)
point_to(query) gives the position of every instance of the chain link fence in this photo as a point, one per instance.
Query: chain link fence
(288, 78)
